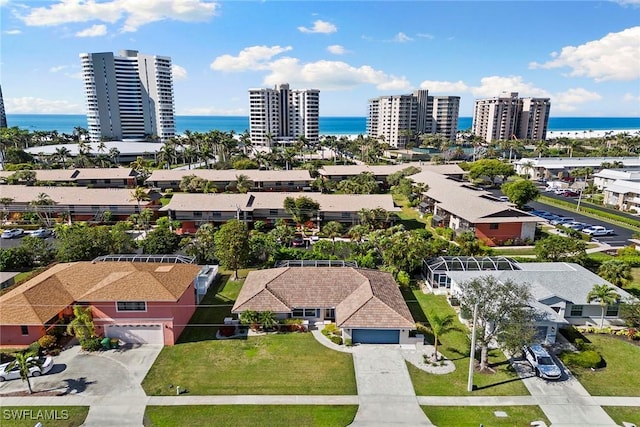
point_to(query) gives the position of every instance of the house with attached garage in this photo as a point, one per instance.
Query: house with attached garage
(559, 290)
(365, 304)
(137, 302)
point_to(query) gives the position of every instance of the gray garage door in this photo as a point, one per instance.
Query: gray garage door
(376, 336)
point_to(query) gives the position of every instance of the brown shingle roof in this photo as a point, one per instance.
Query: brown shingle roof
(362, 298)
(44, 296)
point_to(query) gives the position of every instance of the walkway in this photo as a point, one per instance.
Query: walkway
(385, 392)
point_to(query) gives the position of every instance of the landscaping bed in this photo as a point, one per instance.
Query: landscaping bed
(251, 415)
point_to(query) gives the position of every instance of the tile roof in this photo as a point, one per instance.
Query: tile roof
(44, 296)
(362, 298)
(76, 196)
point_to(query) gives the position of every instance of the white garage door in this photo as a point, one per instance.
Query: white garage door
(136, 334)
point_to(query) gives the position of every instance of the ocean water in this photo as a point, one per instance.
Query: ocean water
(65, 123)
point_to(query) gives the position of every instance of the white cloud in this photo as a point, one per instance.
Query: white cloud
(566, 101)
(250, 58)
(629, 97)
(211, 111)
(93, 31)
(426, 36)
(616, 56)
(444, 87)
(134, 13)
(494, 85)
(31, 105)
(319, 26)
(179, 73)
(58, 68)
(401, 38)
(12, 32)
(336, 49)
(628, 2)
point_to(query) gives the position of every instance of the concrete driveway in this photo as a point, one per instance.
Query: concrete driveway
(106, 373)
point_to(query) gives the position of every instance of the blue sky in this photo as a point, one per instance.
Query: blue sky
(585, 56)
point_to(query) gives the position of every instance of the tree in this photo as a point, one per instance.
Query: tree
(605, 295)
(79, 242)
(520, 191)
(615, 271)
(267, 320)
(15, 259)
(140, 194)
(161, 240)
(232, 245)
(25, 360)
(501, 306)
(202, 246)
(490, 168)
(333, 229)
(301, 209)
(440, 325)
(243, 183)
(469, 244)
(40, 250)
(630, 312)
(42, 205)
(81, 326)
(558, 248)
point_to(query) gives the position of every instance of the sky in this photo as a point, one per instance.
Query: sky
(585, 56)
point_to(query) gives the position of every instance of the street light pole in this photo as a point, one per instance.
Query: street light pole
(472, 355)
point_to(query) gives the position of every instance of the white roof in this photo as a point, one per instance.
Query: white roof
(385, 170)
(620, 186)
(125, 148)
(628, 175)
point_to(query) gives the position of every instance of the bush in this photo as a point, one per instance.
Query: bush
(331, 328)
(348, 342)
(47, 341)
(572, 334)
(91, 344)
(35, 347)
(585, 359)
(336, 339)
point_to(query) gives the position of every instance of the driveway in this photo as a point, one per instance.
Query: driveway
(565, 402)
(385, 392)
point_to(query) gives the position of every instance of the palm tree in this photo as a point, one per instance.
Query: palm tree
(140, 194)
(81, 326)
(333, 229)
(45, 202)
(114, 155)
(615, 271)
(605, 295)
(267, 320)
(243, 183)
(440, 325)
(5, 202)
(61, 154)
(25, 360)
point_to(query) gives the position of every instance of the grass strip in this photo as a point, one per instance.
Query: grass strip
(473, 416)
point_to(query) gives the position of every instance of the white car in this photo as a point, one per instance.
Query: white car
(541, 362)
(11, 233)
(34, 371)
(598, 230)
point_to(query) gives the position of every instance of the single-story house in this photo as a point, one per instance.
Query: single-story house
(81, 203)
(218, 208)
(559, 290)
(463, 207)
(136, 302)
(263, 180)
(365, 304)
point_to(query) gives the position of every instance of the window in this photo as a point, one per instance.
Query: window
(131, 306)
(273, 211)
(304, 312)
(494, 226)
(576, 311)
(612, 310)
(24, 329)
(197, 214)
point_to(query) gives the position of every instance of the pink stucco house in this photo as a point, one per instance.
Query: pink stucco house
(134, 301)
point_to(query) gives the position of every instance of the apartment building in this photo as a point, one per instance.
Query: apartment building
(129, 96)
(509, 117)
(396, 119)
(282, 115)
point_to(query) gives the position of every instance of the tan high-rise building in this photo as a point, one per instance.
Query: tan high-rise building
(282, 115)
(509, 117)
(395, 119)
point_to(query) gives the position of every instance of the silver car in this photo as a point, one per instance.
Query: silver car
(542, 362)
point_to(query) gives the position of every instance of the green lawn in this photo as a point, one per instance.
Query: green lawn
(620, 377)
(455, 346)
(54, 416)
(623, 413)
(274, 364)
(409, 217)
(507, 251)
(473, 416)
(250, 415)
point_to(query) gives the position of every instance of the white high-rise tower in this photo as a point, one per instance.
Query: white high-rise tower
(129, 97)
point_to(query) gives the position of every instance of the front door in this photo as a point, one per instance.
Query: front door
(330, 314)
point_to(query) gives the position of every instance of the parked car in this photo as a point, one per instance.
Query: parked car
(503, 198)
(313, 239)
(11, 233)
(562, 220)
(34, 371)
(541, 361)
(298, 240)
(576, 225)
(570, 193)
(42, 233)
(598, 230)
(539, 213)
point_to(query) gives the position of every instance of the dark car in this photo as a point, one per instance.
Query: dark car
(298, 240)
(570, 193)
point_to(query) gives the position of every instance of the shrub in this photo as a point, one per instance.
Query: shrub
(47, 341)
(35, 347)
(348, 342)
(291, 325)
(584, 359)
(91, 344)
(331, 328)
(336, 339)
(572, 334)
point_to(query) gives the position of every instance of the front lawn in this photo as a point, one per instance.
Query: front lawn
(619, 414)
(473, 416)
(292, 363)
(455, 346)
(54, 416)
(250, 415)
(620, 377)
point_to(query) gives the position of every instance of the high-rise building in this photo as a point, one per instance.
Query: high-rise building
(398, 118)
(508, 117)
(282, 115)
(129, 97)
(3, 116)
